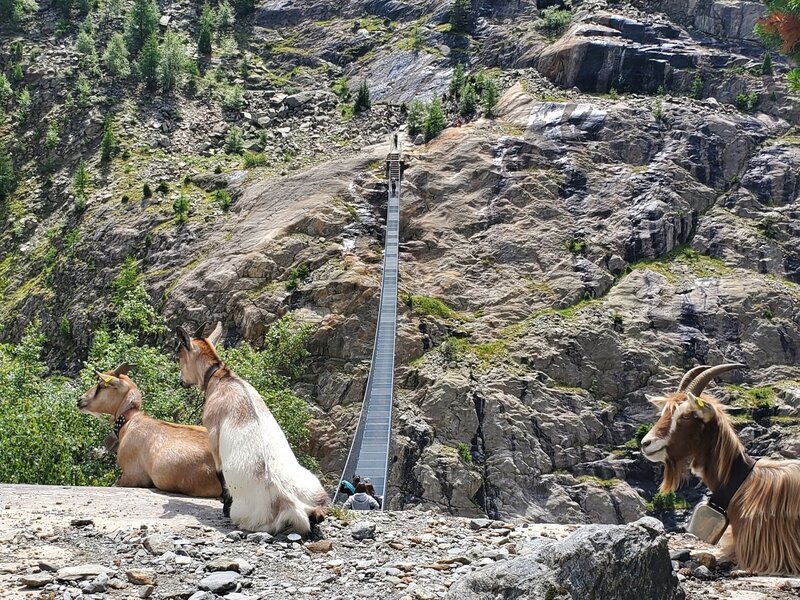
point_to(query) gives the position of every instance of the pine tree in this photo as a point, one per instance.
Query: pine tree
(6, 91)
(469, 100)
(108, 145)
(457, 82)
(206, 30)
(84, 43)
(434, 123)
(225, 17)
(489, 96)
(363, 101)
(141, 21)
(80, 182)
(415, 117)
(116, 57)
(149, 59)
(173, 62)
(461, 16)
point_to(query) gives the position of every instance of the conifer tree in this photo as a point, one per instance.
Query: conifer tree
(149, 59)
(115, 57)
(141, 21)
(206, 30)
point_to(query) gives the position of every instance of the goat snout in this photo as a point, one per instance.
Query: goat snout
(646, 444)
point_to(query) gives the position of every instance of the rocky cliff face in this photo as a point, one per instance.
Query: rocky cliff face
(600, 235)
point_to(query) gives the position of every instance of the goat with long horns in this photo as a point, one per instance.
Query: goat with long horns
(759, 500)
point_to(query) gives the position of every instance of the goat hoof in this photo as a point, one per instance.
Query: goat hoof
(317, 516)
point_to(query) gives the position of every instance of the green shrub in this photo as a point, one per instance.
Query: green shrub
(233, 97)
(362, 101)
(253, 159)
(224, 199)
(140, 24)
(461, 16)
(8, 179)
(181, 207)
(464, 453)
(149, 60)
(434, 122)
(415, 117)
(6, 91)
(458, 80)
(341, 87)
(434, 307)
(696, 91)
(84, 43)
(667, 501)
(225, 16)
(206, 33)
(173, 63)
(489, 96)
(146, 191)
(234, 141)
(554, 20)
(469, 100)
(297, 276)
(638, 435)
(576, 246)
(80, 182)
(108, 145)
(52, 138)
(163, 188)
(747, 102)
(766, 64)
(115, 58)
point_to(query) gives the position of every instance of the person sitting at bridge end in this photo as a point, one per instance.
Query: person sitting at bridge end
(347, 488)
(371, 492)
(361, 500)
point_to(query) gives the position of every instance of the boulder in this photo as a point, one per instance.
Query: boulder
(627, 562)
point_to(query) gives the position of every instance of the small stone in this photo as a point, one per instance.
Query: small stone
(235, 535)
(183, 560)
(220, 582)
(81, 571)
(681, 556)
(157, 544)
(82, 522)
(36, 580)
(200, 596)
(320, 546)
(141, 576)
(703, 572)
(294, 537)
(704, 558)
(146, 591)
(363, 530)
(46, 566)
(260, 537)
(476, 524)
(222, 564)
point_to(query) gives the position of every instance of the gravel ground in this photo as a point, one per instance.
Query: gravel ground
(133, 543)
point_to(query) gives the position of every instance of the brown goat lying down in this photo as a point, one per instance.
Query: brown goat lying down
(152, 453)
(694, 432)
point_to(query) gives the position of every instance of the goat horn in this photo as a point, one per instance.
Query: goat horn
(198, 334)
(699, 383)
(122, 369)
(690, 375)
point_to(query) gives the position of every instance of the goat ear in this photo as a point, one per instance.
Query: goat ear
(183, 337)
(122, 369)
(657, 401)
(216, 335)
(198, 334)
(701, 408)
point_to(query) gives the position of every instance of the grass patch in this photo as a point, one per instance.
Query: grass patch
(426, 305)
(684, 257)
(341, 513)
(668, 501)
(603, 483)
(490, 352)
(464, 453)
(636, 440)
(760, 397)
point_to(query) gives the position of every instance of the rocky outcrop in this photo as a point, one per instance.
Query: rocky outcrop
(625, 563)
(731, 19)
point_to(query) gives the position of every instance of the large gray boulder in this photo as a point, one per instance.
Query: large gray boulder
(628, 562)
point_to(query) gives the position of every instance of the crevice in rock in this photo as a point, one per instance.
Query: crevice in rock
(486, 495)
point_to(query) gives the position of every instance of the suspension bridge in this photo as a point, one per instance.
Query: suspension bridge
(369, 452)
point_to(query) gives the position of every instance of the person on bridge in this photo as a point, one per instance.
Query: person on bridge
(361, 500)
(371, 492)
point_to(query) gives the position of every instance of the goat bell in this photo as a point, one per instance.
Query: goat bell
(707, 522)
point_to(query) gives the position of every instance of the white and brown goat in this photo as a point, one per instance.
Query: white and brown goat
(694, 432)
(269, 490)
(152, 453)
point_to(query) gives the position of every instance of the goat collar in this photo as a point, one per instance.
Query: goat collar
(209, 374)
(741, 469)
(123, 419)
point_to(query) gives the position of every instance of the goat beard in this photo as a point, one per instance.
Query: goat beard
(674, 474)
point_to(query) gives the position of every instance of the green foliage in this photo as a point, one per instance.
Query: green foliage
(458, 80)
(793, 79)
(766, 64)
(146, 191)
(14, 11)
(181, 207)
(341, 87)
(45, 439)
(760, 397)
(638, 435)
(696, 90)
(80, 184)
(84, 43)
(667, 501)
(233, 97)
(434, 122)
(464, 453)
(17, 74)
(149, 60)
(576, 246)
(554, 20)
(746, 102)
(362, 101)
(596, 481)
(163, 188)
(226, 19)
(52, 138)
(108, 145)
(469, 100)
(415, 117)
(658, 109)
(434, 307)
(234, 140)
(172, 66)
(8, 179)
(253, 159)
(6, 91)
(207, 20)
(140, 23)
(115, 58)
(297, 276)
(83, 90)
(461, 16)
(417, 37)
(131, 301)
(224, 199)
(489, 96)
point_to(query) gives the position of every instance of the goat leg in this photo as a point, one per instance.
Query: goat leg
(227, 500)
